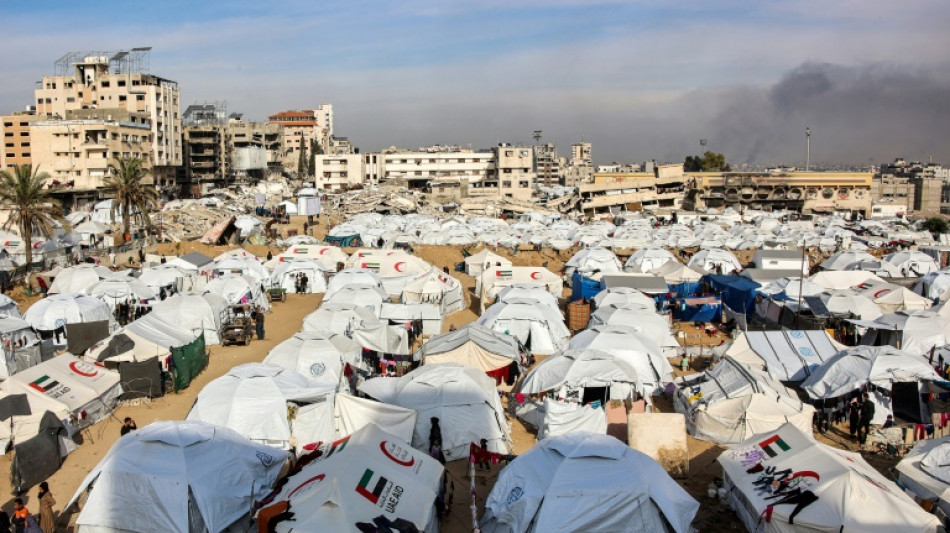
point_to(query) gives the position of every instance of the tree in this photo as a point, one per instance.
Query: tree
(709, 162)
(936, 225)
(28, 205)
(313, 157)
(130, 193)
(302, 161)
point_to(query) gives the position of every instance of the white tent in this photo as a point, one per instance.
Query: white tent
(675, 273)
(924, 472)
(78, 279)
(436, 288)
(715, 260)
(394, 268)
(197, 313)
(589, 261)
(624, 297)
(351, 277)
(90, 230)
(567, 374)
(849, 303)
(917, 332)
(339, 319)
(912, 263)
(539, 327)
(252, 399)
(57, 310)
(528, 291)
(19, 344)
(494, 279)
(471, 345)
(242, 266)
(632, 346)
(84, 393)
(166, 276)
(43, 411)
(731, 403)
(934, 285)
(114, 291)
(285, 273)
(371, 477)
(649, 259)
(8, 307)
(784, 482)
(881, 366)
(126, 345)
(326, 256)
(483, 260)
(586, 482)
(646, 321)
(842, 279)
(463, 398)
(370, 298)
(321, 357)
(238, 290)
(841, 260)
(787, 355)
(182, 477)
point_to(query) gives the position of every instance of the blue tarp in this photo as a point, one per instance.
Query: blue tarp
(583, 288)
(685, 290)
(738, 293)
(707, 312)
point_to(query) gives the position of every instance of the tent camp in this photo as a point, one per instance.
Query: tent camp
(339, 319)
(528, 291)
(463, 398)
(253, 400)
(539, 328)
(924, 472)
(913, 332)
(633, 347)
(841, 260)
(394, 268)
(114, 291)
(319, 356)
(655, 327)
(784, 482)
(890, 297)
(624, 297)
(484, 260)
(895, 376)
(590, 261)
(787, 355)
(57, 310)
(241, 266)
(237, 289)
(583, 376)
(715, 260)
(394, 484)
(436, 288)
(181, 477)
(328, 257)
(285, 273)
(731, 403)
(370, 298)
(84, 393)
(586, 482)
(842, 279)
(165, 277)
(472, 345)
(912, 263)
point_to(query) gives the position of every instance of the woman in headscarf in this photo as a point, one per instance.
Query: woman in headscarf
(47, 521)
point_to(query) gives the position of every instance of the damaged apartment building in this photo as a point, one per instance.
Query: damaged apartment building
(222, 149)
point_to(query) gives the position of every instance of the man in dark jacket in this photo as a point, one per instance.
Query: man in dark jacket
(867, 414)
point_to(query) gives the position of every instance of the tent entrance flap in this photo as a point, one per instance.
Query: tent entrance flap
(906, 402)
(595, 394)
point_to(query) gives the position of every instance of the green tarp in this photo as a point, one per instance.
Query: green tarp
(190, 360)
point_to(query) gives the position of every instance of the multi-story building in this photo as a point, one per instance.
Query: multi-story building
(919, 186)
(207, 162)
(76, 150)
(613, 192)
(339, 145)
(514, 171)
(417, 169)
(806, 192)
(338, 172)
(15, 132)
(581, 155)
(301, 129)
(107, 82)
(548, 165)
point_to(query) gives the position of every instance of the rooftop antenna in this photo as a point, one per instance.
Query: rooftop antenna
(537, 136)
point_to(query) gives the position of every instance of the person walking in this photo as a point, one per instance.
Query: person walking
(47, 520)
(259, 323)
(303, 282)
(435, 432)
(854, 417)
(867, 414)
(141, 256)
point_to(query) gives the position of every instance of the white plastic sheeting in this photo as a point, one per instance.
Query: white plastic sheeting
(197, 313)
(633, 347)
(586, 482)
(57, 310)
(321, 357)
(538, 327)
(787, 355)
(285, 274)
(471, 345)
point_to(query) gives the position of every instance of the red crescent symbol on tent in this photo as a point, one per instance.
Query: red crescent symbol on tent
(880, 292)
(396, 266)
(323, 251)
(389, 254)
(410, 462)
(74, 366)
(314, 479)
(535, 275)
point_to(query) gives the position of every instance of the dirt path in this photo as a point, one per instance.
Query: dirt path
(283, 321)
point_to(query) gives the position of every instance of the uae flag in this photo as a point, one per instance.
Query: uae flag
(44, 384)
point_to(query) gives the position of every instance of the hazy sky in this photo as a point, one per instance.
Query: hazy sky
(639, 79)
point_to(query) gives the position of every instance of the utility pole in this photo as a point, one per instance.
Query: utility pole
(807, 149)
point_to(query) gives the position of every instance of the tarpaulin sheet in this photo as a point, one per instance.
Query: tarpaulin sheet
(141, 380)
(791, 355)
(38, 458)
(189, 360)
(81, 336)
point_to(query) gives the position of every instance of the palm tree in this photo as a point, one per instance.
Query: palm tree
(28, 205)
(129, 192)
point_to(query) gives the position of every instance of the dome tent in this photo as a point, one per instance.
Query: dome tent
(179, 477)
(631, 346)
(463, 398)
(649, 259)
(319, 356)
(540, 328)
(197, 313)
(57, 310)
(586, 482)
